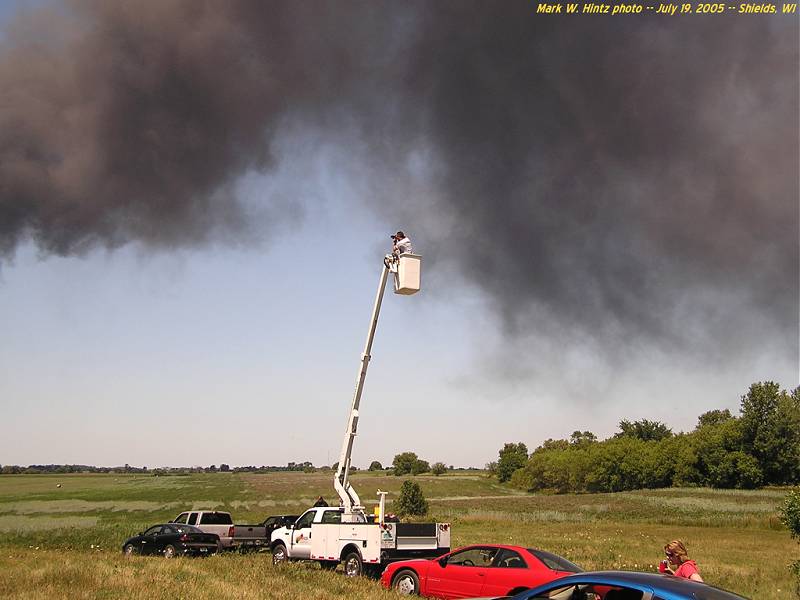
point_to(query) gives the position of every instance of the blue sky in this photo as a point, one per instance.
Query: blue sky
(249, 356)
(246, 351)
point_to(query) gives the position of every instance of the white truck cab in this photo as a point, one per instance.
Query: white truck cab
(297, 538)
(323, 535)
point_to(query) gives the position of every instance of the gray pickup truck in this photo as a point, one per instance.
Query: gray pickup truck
(255, 536)
(231, 536)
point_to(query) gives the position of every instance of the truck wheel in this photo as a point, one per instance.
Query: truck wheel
(328, 565)
(406, 582)
(352, 564)
(128, 550)
(169, 551)
(279, 555)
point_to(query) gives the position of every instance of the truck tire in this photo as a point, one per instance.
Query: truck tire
(352, 564)
(279, 555)
(406, 582)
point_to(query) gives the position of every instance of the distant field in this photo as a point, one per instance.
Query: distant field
(65, 542)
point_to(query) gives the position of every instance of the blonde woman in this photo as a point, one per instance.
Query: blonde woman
(679, 558)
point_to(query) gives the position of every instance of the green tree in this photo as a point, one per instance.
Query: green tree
(771, 431)
(420, 466)
(375, 466)
(720, 451)
(404, 462)
(581, 438)
(734, 470)
(714, 417)
(790, 516)
(438, 468)
(644, 430)
(411, 500)
(551, 444)
(790, 513)
(512, 457)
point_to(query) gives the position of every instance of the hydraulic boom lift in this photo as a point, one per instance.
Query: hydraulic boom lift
(344, 533)
(406, 269)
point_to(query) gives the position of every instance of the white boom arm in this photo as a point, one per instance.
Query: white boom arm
(350, 500)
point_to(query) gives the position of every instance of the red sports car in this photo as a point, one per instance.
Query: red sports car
(472, 571)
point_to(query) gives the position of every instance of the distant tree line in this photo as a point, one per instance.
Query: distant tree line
(34, 469)
(760, 446)
(223, 468)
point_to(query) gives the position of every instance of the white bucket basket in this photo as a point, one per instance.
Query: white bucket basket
(407, 276)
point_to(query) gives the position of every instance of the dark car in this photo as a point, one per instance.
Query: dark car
(484, 570)
(625, 585)
(172, 539)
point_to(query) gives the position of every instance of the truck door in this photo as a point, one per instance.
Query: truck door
(301, 536)
(192, 519)
(462, 573)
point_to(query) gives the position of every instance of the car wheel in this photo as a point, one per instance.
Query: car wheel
(279, 555)
(328, 565)
(352, 564)
(406, 583)
(128, 550)
(169, 551)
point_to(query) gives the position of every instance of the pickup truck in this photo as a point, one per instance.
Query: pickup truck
(363, 546)
(210, 521)
(255, 536)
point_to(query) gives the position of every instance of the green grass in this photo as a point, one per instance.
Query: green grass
(65, 541)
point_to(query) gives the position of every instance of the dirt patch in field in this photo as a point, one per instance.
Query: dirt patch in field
(205, 504)
(713, 505)
(30, 507)
(541, 516)
(10, 523)
(475, 498)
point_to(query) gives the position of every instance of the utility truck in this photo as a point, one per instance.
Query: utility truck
(346, 533)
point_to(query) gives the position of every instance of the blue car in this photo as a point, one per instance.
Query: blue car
(625, 585)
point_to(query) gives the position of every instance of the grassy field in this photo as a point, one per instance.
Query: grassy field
(65, 541)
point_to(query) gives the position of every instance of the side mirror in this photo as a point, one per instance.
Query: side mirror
(443, 562)
(140, 533)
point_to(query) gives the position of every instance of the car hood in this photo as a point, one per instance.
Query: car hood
(411, 562)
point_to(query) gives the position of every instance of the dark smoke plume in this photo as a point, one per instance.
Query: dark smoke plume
(629, 176)
(615, 176)
(131, 121)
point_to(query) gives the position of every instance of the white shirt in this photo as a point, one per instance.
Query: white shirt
(403, 246)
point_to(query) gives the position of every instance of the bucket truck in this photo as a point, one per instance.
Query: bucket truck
(346, 533)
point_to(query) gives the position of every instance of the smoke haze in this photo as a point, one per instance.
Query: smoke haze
(608, 177)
